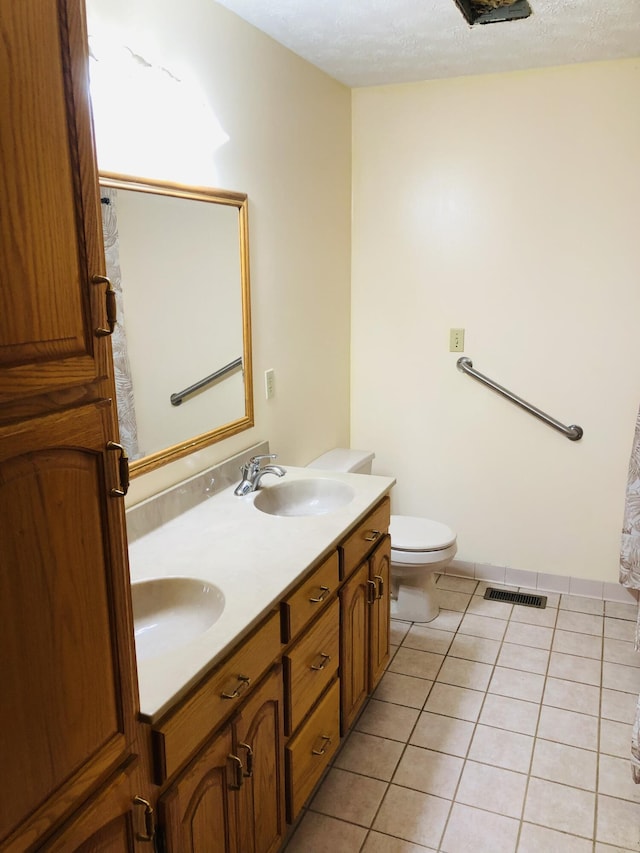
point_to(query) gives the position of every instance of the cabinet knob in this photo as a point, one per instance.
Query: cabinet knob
(239, 772)
(249, 765)
(243, 683)
(380, 580)
(372, 535)
(324, 591)
(325, 742)
(149, 828)
(123, 469)
(324, 660)
(110, 299)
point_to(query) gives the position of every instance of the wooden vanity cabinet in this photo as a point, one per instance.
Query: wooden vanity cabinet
(68, 727)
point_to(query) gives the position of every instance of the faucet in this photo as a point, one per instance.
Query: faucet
(252, 474)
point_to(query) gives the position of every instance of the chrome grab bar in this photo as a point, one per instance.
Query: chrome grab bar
(178, 397)
(572, 432)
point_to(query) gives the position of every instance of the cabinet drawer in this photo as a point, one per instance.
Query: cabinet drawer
(180, 733)
(311, 750)
(310, 597)
(364, 538)
(310, 665)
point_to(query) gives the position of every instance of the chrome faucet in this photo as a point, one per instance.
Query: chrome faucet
(252, 474)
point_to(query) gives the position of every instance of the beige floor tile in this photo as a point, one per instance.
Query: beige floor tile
(619, 629)
(574, 668)
(615, 738)
(582, 604)
(369, 755)
(378, 843)
(618, 823)
(539, 839)
(455, 584)
(445, 734)
(621, 611)
(403, 689)
(428, 639)
(475, 831)
(412, 816)
(492, 788)
(571, 696)
(474, 648)
(515, 715)
(416, 663)
(620, 651)
(581, 623)
(428, 771)
(481, 626)
(614, 779)
(529, 635)
(544, 617)
(398, 631)
(615, 676)
(447, 620)
(568, 727)
(387, 720)
(516, 684)
(617, 705)
(454, 701)
(322, 834)
(573, 643)
(465, 673)
(348, 796)
(449, 600)
(494, 609)
(608, 848)
(568, 765)
(501, 748)
(560, 807)
(524, 658)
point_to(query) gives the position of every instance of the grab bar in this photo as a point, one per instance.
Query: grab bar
(179, 396)
(573, 432)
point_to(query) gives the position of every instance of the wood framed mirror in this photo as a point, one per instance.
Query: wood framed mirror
(178, 259)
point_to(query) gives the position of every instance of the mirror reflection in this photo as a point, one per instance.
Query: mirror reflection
(177, 258)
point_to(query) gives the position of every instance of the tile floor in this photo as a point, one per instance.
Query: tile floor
(497, 728)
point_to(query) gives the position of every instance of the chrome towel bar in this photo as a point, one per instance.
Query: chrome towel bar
(178, 397)
(572, 432)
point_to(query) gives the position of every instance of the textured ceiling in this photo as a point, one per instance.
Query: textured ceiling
(373, 42)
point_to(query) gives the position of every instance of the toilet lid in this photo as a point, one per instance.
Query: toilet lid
(419, 534)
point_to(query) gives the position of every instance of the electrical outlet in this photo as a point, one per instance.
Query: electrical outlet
(456, 340)
(269, 383)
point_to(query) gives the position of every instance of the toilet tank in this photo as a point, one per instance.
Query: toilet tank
(345, 460)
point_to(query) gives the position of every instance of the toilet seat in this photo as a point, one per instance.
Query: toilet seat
(411, 534)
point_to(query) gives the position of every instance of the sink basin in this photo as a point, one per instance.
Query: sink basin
(304, 497)
(170, 612)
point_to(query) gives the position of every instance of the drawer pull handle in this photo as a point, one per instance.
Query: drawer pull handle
(111, 309)
(372, 592)
(372, 536)
(244, 682)
(249, 765)
(123, 470)
(324, 660)
(149, 828)
(324, 591)
(380, 580)
(325, 742)
(239, 772)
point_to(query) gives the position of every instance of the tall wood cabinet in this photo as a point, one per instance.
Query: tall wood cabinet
(68, 727)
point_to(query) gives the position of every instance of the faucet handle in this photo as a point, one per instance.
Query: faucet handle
(256, 460)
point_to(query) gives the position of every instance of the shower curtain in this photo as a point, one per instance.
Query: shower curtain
(630, 567)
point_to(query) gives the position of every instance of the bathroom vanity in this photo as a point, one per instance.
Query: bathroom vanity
(242, 721)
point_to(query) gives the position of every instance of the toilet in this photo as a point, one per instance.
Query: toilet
(419, 547)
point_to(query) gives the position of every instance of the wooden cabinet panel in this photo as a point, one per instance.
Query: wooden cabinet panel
(354, 645)
(364, 538)
(311, 664)
(304, 604)
(178, 735)
(379, 625)
(49, 230)
(311, 750)
(68, 709)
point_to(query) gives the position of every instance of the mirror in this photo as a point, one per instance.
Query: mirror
(178, 260)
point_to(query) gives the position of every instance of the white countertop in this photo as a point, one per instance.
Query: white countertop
(253, 557)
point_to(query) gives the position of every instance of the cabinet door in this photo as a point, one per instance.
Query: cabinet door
(259, 741)
(198, 814)
(379, 625)
(355, 597)
(50, 237)
(67, 714)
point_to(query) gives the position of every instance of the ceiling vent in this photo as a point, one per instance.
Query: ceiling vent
(493, 11)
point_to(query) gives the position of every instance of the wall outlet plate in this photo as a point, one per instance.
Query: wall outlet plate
(456, 340)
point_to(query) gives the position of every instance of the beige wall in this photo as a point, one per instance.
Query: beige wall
(508, 205)
(289, 150)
